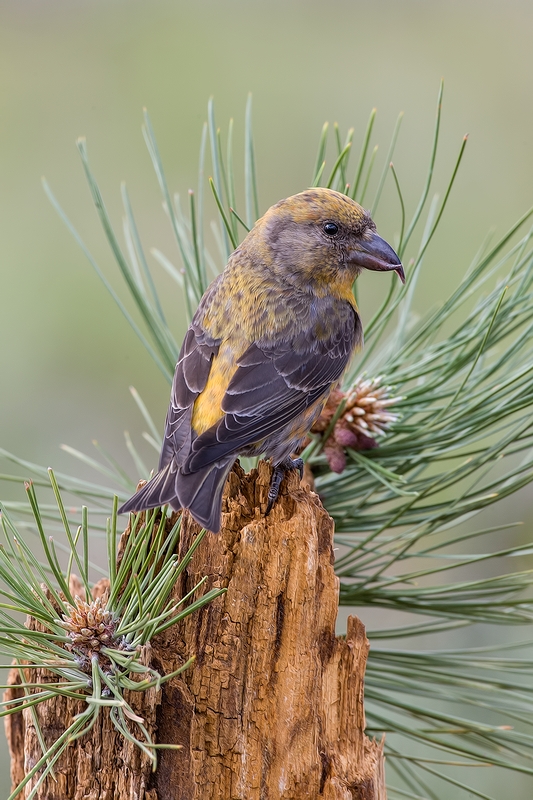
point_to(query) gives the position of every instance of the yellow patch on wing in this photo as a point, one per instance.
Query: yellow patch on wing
(207, 410)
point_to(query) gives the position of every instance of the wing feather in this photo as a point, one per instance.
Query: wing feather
(272, 387)
(192, 371)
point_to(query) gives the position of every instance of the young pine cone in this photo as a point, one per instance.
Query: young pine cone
(365, 415)
(90, 626)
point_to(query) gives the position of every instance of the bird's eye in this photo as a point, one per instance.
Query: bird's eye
(330, 228)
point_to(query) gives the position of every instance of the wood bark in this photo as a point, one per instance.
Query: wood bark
(272, 708)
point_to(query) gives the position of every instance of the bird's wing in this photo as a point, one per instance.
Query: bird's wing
(190, 378)
(273, 386)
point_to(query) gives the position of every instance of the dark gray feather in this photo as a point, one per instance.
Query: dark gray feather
(271, 389)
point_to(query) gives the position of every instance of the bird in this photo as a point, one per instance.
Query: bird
(272, 335)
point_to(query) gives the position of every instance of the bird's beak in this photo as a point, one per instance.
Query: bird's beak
(374, 253)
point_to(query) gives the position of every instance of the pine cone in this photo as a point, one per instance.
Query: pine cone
(365, 415)
(90, 626)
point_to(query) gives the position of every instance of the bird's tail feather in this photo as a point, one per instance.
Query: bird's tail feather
(161, 489)
(201, 492)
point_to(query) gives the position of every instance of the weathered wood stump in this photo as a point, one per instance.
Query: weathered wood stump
(272, 708)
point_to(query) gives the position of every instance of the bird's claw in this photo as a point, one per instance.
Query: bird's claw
(277, 477)
(298, 463)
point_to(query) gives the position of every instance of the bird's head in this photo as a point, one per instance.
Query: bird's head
(323, 238)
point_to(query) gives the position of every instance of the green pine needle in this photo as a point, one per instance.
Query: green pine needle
(137, 609)
(404, 512)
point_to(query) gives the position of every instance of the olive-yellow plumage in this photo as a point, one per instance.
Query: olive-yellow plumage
(271, 337)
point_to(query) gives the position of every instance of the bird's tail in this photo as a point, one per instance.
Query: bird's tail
(161, 489)
(200, 492)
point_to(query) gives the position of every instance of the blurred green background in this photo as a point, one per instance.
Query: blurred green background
(88, 67)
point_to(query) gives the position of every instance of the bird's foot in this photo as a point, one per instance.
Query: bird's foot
(278, 475)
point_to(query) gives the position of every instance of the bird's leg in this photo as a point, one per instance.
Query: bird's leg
(278, 475)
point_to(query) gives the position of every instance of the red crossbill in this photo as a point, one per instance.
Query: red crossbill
(271, 337)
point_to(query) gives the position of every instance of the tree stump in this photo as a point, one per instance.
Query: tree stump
(273, 707)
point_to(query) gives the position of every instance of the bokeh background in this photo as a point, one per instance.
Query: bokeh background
(88, 67)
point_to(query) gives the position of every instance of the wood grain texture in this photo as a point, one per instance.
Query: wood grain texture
(273, 707)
